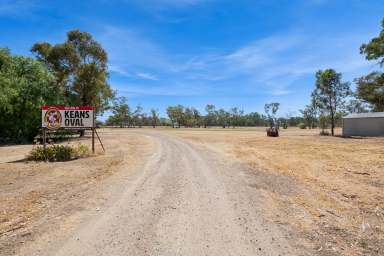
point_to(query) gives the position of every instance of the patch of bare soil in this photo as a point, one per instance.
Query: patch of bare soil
(330, 189)
(36, 197)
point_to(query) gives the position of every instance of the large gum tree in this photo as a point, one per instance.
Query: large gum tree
(80, 68)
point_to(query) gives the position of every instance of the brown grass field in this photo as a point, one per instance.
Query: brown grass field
(37, 198)
(329, 189)
(337, 198)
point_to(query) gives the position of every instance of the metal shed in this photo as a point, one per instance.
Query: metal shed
(364, 124)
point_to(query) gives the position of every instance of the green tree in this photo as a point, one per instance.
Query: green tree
(271, 110)
(196, 117)
(330, 93)
(356, 106)
(121, 112)
(310, 114)
(25, 86)
(154, 117)
(137, 116)
(254, 119)
(370, 88)
(180, 115)
(172, 115)
(235, 116)
(374, 50)
(189, 118)
(210, 118)
(323, 122)
(80, 67)
(176, 115)
(223, 117)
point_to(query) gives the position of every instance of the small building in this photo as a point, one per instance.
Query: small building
(364, 124)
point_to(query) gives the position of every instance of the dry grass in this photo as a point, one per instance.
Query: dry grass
(34, 197)
(340, 203)
(336, 199)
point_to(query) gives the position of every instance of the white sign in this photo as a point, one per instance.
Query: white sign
(55, 117)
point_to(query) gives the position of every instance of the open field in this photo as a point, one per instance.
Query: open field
(37, 199)
(193, 191)
(336, 197)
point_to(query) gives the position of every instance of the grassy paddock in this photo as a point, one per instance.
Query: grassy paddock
(337, 195)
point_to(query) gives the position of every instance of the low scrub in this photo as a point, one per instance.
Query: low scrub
(302, 126)
(58, 153)
(81, 150)
(324, 133)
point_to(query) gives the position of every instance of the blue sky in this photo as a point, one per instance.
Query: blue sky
(229, 53)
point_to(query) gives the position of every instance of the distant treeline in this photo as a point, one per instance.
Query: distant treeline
(75, 73)
(181, 116)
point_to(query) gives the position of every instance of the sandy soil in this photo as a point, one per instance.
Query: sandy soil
(39, 199)
(335, 198)
(198, 192)
(185, 200)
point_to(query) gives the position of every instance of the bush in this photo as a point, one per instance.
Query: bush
(81, 150)
(302, 126)
(58, 153)
(324, 121)
(38, 154)
(324, 133)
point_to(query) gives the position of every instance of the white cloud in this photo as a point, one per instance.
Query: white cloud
(147, 76)
(161, 4)
(275, 63)
(137, 90)
(271, 65)
(119, 70)
(125, 73)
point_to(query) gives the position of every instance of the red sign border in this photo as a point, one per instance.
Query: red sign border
(68, 108)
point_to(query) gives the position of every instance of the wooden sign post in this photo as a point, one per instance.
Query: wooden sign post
(44, 139)
(93, 133)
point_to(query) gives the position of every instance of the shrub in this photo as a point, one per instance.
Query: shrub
(324, 133)
(285, 126)
(302, 126)
(324, 121)
(81, 150)
(62, 153)
(58, 153)
(38, 154)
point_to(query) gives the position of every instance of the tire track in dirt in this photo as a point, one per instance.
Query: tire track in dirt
(186, 201)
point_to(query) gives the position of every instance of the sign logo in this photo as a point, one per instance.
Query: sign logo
(64, 117)
(52, 118)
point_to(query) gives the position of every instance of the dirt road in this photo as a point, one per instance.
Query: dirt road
(185, 201)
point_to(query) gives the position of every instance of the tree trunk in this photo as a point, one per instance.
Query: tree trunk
(333, 110)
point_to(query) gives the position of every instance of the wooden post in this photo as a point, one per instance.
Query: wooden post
(44, 139)
(93, 140)
(101, 143)
(93, 133)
